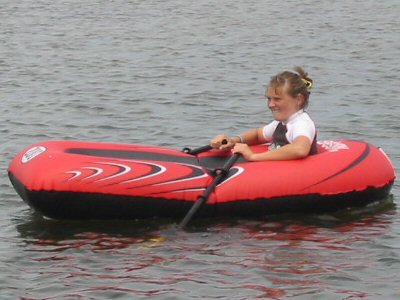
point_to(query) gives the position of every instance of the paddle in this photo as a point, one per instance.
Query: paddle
(197, 150)
(201, 149)
(220, 175)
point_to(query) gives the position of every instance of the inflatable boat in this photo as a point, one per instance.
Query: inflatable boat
(87, 180)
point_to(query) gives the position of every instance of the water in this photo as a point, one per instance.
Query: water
(175, 73)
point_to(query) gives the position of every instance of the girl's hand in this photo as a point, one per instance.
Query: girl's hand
(244, 149)
(222, 142)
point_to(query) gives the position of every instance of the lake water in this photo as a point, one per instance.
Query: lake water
(176, 73)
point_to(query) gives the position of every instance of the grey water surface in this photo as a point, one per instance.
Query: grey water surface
(176, 73)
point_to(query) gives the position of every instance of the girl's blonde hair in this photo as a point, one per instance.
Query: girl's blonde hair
(298, 82)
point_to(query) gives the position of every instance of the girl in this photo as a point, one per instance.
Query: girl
(292, 135)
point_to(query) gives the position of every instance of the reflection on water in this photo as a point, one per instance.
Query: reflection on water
(37, 227)
(276, 257)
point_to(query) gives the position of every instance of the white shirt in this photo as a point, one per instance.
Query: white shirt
(299, 124)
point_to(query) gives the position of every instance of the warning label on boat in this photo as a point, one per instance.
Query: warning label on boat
(32, 153)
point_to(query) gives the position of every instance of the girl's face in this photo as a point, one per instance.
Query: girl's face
(281, 104)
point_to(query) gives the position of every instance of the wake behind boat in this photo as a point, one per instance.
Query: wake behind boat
(87, 180)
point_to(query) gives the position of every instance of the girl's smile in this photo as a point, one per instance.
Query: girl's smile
(281, 104)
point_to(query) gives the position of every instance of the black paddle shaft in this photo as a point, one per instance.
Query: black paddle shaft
(221, 174)
(197, 150)
(201, 149)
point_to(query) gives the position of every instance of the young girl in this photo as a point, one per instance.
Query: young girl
(292, 134)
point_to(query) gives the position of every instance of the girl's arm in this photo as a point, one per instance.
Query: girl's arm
(251, 137)
(300, 148)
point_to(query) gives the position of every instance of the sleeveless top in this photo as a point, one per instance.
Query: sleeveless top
(299, 124)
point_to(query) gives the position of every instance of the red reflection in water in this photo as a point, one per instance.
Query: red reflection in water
(128, 291)
(300, 259)
(271, 293)
(275, 260)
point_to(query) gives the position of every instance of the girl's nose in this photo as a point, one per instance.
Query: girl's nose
(270, 103)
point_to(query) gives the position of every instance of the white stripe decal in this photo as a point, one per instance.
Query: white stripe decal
(162, 170)
(76, 174)
(240, 171)
(126, 168)
(185, 179)
(98, 171)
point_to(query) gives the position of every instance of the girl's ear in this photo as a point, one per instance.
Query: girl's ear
(300, 100)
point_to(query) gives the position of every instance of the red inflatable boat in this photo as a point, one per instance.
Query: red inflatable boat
(84, 180)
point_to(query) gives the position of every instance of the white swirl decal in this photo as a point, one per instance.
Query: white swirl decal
(97, 171)
(186, 179)
(333, 146)
(162, 170)
(125, 169)
(240, 170)
(75, 173)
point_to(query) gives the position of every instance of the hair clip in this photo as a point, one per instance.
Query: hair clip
(308, 83)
